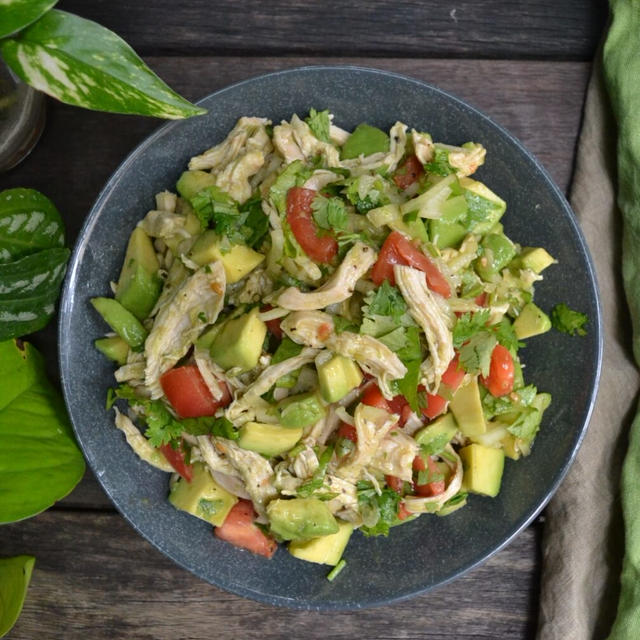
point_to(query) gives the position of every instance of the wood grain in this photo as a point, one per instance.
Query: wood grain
(539, 102)
(407, 28)
(96, 576)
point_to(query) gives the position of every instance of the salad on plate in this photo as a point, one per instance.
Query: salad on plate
(318, 331)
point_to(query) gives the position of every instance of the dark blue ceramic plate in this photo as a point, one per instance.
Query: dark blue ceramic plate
(379, 570)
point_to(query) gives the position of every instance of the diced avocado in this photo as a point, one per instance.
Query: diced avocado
(268, 439)
(203, 497)
(429, 204)
(301, 518)
(532, 321)
(190, 182)
(364, 140)
(238, 260)
(483, 467)
(323, 550)
(467, 409)
(486, 206)
(301, 410)
(337, 377)
(535, 258)
(206, 339)
(390, 215)
(123, 322)
(139, 284)
(493, 436)
(497, 252)
(434, 437)
(446, 234)
(114, 347)
(239, 344)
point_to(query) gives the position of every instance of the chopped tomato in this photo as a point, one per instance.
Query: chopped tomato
(410, 171)
(436, 405)
(481, 300)
(175, 457)
(429, 488)
(403, 514)
(239, 529)
(399, 250)
(273, 325)
(324, 331)
(347, 431)
(454, 374)
(499, 382)
(374, 398)
(398, 404)
(395, 483)
(188, 393)
(299, 216)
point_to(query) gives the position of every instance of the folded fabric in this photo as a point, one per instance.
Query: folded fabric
(622, 72)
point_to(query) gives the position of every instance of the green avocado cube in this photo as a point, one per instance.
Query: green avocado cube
(497, 252)
(485, 206)
(301, 518)
(325, 549)
(114, 348)
(203, 497)
(268, 439)
(365, 140)
(191, 182)
(239, 343)
(337, 376)
(446, 234)
(535, 258)
(466, 408)
(532, 321)
(238, 260)
(483, 467)
(437, 434)
(301, 410)
(139, 285)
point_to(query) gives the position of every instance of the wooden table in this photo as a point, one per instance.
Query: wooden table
(526, 64)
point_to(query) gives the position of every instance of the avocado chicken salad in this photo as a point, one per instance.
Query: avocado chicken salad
(318, 332)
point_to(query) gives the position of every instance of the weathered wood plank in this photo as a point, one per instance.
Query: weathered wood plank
(95, 575)
(539, 102)
(409, 28)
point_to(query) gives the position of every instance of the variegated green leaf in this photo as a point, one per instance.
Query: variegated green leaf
(18, 14)
(15, 575)
(33, 275)
(27, 314)
(29, 222)
(81, 63)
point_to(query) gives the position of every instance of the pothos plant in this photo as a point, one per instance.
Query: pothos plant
(83, 64)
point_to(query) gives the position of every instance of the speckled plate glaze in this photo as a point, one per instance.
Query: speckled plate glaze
(420, 555)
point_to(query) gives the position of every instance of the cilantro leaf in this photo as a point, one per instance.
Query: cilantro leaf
(475, 355)
(293, 175)
(256, 222)
(506, 335)
(319, 123)
(379, 512)
(309, 487)
(329, 213)
(411, 356)
(212, 202)
(440, 163)
(386, 300)
(568, 321)
(341, 324)
(526, 424)
(162, 427)
(469, 324)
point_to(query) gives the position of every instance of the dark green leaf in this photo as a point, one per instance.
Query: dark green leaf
(439, 165)
(18, 14)
(15, 575)
(506, 335)
(386, 506)
(475, 355)
(330, 213)
(286, 349)
(468, 325)
(568, 321)
(256, 222)
(82, 63)
(319, 124)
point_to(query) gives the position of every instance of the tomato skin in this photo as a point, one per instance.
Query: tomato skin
(239, 529)
(188, 393)
(481, 300)
(399, 250)
(410, 171)
(374, 398)
(403, 514)
(299, 216)
(454, 374)
(175, 457)
(347, 431)
(501, 372)
(395, 483)
(436, 405)
(400, 406)
(430, 488)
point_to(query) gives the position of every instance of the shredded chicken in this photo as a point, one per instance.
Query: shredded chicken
(213, 459)
(164, 224)
(359, 259)
(427, 313)
(395, 455)
(422, 146)
(390, 159)
(295, 141)
(206, 368)
(181, 321)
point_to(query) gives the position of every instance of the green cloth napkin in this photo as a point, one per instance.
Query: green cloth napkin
(622, 73)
